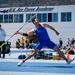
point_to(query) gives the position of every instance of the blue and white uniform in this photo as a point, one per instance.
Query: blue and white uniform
(2, 39)
(2, 34)
(43, 38)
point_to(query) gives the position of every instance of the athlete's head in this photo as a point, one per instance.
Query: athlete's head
(35, 20)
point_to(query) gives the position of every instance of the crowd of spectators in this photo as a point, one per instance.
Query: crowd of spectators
(22, 3)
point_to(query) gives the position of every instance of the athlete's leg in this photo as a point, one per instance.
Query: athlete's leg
(28, 57)
(38, 47)
(60, 53)
(31, 55)
(53, 46)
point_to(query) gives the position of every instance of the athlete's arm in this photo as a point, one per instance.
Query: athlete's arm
(30, 32)
(25, 34)
(52, 28)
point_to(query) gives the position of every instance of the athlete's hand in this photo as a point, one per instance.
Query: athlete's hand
(57, 32)
(16, 33)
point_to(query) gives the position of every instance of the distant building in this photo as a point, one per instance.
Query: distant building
(60, 17)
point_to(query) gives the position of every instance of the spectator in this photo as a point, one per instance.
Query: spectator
(68, 42)
(2, 40)
(22, 42)
(60, 43)
(18, 44)
(72, 42)
(70, 50)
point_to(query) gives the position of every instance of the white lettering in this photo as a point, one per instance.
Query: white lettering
(29, 9)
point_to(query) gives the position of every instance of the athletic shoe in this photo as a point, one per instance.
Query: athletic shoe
(20, 63)
(70, 60)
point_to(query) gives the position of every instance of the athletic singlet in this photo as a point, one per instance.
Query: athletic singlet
(41, 33)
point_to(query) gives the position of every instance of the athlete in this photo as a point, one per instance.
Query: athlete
(43, 40)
